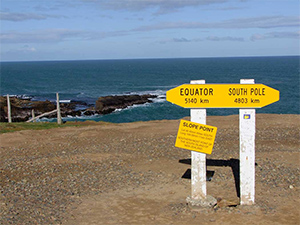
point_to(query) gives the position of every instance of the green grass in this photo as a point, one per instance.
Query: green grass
(12, 127)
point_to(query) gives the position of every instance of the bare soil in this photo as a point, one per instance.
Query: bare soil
(132, 174)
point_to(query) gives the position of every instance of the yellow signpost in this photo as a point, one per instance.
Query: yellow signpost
(200, 138)
(196, 137)
(222, 95)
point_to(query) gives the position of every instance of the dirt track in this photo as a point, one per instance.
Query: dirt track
(133, 174)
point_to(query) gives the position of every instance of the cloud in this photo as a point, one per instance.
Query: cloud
(43, 36)
(265, 22)
(215, 38)
(290, 35)
(48, 6)
(210, 38)
(181, 40)
(17, 17)
(262, 22)
(56, 35)
(161, 6)
(27, 49)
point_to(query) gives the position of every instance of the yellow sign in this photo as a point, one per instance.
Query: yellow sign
(222, 95)
(196, 137)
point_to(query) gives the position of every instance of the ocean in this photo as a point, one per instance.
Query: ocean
(89, 79)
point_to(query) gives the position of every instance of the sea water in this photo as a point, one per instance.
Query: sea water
(89, 79)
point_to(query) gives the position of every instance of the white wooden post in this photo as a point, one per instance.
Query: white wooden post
(58, 109)
(33, 115)
(247, 153)
(198, 167)
(8, 109)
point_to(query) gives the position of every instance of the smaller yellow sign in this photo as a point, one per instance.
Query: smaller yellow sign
(196, 137)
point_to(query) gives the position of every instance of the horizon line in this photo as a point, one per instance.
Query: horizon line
(150, 58)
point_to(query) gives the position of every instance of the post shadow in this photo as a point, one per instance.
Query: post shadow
(233, 163)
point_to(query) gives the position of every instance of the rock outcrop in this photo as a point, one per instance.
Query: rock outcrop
(108, 104)
(21, 109)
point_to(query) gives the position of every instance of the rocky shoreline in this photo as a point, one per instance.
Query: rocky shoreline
(21, 109)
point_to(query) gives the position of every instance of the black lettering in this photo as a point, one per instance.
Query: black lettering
(181, 91)
(237, 91)
(192, 90)
(186, 91)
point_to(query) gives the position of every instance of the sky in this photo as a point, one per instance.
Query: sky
(33, 30)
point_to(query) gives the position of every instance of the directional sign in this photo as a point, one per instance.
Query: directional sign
(222, 95)
(196, 137)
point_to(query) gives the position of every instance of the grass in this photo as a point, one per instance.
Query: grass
(12, 127)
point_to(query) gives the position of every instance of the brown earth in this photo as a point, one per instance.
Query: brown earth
(132, 174)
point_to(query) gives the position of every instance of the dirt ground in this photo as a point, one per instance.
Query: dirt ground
(132, 174)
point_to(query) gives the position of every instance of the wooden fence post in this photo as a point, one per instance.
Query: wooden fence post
(58, 110)
(8, 109)
(33, 115)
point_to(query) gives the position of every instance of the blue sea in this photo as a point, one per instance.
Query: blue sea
(89, 79)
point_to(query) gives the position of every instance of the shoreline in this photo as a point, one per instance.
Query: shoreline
(22, 109)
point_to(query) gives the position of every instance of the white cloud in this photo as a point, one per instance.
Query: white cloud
(181, 40)
(215, 38)
(161, 6)
(25, 49)
(209, 38)
(43, 36)
(17, 17)
(265, 22)
(290, 35)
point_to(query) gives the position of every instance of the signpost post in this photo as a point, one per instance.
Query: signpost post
(247, 96)
(247, 153)
(198, 159)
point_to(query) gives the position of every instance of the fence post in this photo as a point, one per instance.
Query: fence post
(58, 109)
(8, 109)
(33, 115)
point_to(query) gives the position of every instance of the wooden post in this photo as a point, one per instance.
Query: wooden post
(8, 109)
(247, 153)
(58, 109)
(198, 174)
(33, 115)
(44, 114)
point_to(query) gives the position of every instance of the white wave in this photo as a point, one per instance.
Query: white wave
(159, 99)
(70, 118)
(64, 101)
(131, 107)
(157, 92)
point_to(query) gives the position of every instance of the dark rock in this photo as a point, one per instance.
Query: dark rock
(89, 112)
(108, 104)
(21, 109)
